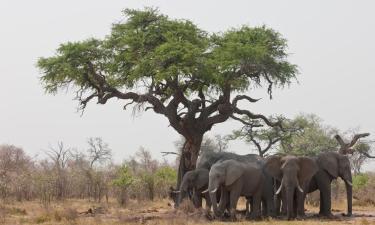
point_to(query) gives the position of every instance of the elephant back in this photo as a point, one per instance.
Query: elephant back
(207, 159)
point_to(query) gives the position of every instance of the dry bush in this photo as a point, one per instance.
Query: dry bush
(187, 207)
(70, 214)
(313, 199)
(363, 194)
(42, 218)
(57, 216)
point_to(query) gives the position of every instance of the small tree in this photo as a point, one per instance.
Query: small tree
(264, 138)
(358, 153)
(312, 139)
(59, 156)
(123, 181)
(192, 78)
(165, 178)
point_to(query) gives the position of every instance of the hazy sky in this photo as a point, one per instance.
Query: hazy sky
(332, 42)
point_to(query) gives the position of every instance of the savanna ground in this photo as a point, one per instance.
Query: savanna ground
(157, 212)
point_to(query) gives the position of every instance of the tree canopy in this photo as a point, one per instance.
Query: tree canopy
(192, 77)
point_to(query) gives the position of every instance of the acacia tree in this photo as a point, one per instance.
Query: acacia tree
(265, 139)
(193, 78)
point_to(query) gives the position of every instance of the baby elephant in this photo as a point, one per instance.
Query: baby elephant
(236, 179)
(194, 181)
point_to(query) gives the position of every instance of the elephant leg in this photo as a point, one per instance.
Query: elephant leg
(295, 203)
(327, 201)
(283, 202)
(264, 207)
(248, 205)
(321, 208)
(257, 198)
(199, 203)
(233, 199)
(270, 205)
(208, 201)
(300, 205)
(277, 201)
(223, 201)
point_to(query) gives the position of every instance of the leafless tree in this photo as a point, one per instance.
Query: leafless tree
(60, 156)
(98, 154)
(98, 151)
(358, 151)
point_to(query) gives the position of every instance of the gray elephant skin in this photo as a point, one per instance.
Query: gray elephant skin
(237, 179)
(207, 159)
(294, 174)
(331, 166)
(195, 181)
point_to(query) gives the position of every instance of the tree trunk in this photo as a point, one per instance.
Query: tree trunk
(189, 156)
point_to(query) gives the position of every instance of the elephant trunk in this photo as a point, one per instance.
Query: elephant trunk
(290, 200)
(214, 203)
(349, 190)
(181, 195)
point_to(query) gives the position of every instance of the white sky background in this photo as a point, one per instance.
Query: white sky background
(332, 42)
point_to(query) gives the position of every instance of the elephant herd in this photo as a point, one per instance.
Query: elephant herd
(273, 186)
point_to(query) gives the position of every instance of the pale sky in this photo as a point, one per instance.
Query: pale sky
(332, 42)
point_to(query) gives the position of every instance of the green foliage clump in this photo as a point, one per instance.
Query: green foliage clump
(166, 175)
(360, 180)
(150, 45)
(124, 178)
(312, 139)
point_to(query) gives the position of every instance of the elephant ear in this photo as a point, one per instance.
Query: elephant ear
(307, 169)
(202, 178)
(232, 173)
(329, 163)
(273, 166)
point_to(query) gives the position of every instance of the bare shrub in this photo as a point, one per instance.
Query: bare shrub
(187, 207)
(70, 214)
(363, 193)
(313, 198)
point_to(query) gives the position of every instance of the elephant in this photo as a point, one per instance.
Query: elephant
(236, 179)
(207, 159)
(195, 182)
(294, 174)
(331, 166)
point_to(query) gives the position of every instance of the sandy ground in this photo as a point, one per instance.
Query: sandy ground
(157, 212)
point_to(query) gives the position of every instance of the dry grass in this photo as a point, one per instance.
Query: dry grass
(152, 213)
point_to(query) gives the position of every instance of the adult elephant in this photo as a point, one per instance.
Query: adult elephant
(195, 182)
(237, 179)
(331, 166)
(207, 159)
(294, 174)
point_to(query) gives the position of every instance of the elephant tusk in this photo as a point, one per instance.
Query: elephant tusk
(213, 191)
(279, 190)
(176, 192)
(349, 183)
(299, 187)
(205, 191)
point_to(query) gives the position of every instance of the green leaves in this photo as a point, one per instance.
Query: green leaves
(149, 49)
(250, 54)
(124, 177)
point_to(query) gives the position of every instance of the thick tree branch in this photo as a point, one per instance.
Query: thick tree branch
(258, 116)
(245, 122)
(340, 140)
(345, 148)
(244, 97)
(357, 137)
